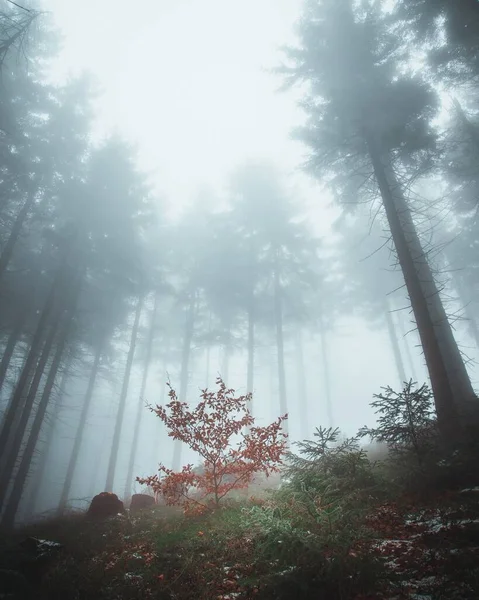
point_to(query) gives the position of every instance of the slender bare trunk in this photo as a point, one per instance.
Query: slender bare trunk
(251, 348)
(302, 385)
(407, 348)
(39, 476)
(141, 402)
(12, 341)
(21, 476)
(225, 368)
(110, 477)
(472, 322)
(208, 354)
(18, 434)
(95, 472)
(394, 344)
(7, 253)
(278, 314)
(326, 377)
(16, 403)
(75, 453)
(185, 362)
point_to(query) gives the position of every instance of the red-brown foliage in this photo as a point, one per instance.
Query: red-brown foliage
(208, 429)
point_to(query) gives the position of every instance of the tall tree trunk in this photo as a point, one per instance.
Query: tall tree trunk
(251, 348)
(208, 354)
(13, 339)
(110, 477)
(225, 367)
(327, 380)
(407, 348)
(75, 453)
(185, 362)
(141, 402)
(39, 476)
(453, 393)
(394, 344)
(6, 255)
(302, 386)
(18, 434)
(278, 315)
(15, 406)
(21, 476)
(472, 322)
(103, 445)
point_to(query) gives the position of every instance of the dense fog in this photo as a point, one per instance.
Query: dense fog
(193, 189)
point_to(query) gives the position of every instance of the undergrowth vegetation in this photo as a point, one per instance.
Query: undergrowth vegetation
(340, 526)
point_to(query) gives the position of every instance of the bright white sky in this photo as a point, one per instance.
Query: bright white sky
(186, 81)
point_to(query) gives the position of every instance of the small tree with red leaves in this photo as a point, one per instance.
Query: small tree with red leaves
(208, 429)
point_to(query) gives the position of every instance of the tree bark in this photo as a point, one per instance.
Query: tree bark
(394, 344)
(472, 322)
(251, 348)
(225, 368)
(11, 508)
(185, 361)
(18, 434)
(38, 479)
(208, 354)
(100, 452)
(15, 406)
(13, 339)
(110, 477)
(407, 348)
(453, 393)
(7, 253)
(141, 402)
(302, 386)
(278, 315)
(327, 381)
(75, 453)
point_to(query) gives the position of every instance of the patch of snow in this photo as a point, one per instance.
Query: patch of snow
(132, 577)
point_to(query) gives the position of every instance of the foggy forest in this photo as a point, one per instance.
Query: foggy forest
(239, 315)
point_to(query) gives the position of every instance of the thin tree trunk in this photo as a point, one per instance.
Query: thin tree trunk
(450, 383)
(103, 445)
(278, 314)
(6, 255)
(225, 368)
(410, 360)
(75, 453)
(11, 508)
(16, 403)
(110, 477)
(394, 344)
(36, 486)
(302, 385)
(473, 328)
(327, 380)
(13, 339)
(251, 348)
(18, 434)
(141, 402)
(185, 361)
(208, 354)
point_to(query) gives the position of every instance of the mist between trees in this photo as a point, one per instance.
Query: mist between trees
(105, 297)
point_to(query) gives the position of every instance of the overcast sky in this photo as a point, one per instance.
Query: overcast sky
(187, 81)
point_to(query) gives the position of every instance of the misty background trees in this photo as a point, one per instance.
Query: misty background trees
(107, 293)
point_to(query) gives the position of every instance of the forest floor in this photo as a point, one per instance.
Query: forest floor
(409, 550)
